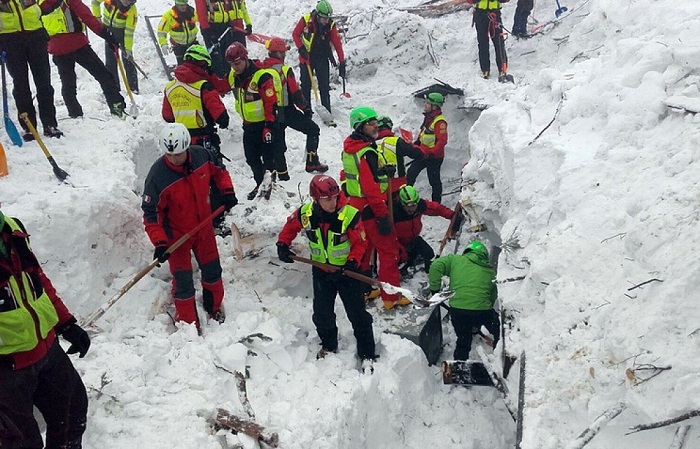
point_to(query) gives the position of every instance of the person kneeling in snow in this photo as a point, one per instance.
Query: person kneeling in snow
(34, 369)
(336, 237)
(175, 201)
(472, 280)
(408, 214)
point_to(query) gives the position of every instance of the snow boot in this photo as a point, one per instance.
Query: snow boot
(52, 131)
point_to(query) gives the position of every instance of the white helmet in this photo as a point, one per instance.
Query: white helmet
(174, 139)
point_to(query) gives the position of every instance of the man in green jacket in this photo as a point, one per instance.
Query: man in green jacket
(472, 280)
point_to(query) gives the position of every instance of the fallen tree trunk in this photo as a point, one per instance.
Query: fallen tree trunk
(592, 430)
(664, 423)
(226, 420)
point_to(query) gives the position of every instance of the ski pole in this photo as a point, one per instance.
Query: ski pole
(96, 315)
(60, 174)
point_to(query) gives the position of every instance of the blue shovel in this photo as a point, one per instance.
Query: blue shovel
(9, 124)
(560, 10)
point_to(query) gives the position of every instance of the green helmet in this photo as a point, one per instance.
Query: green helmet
(408, 195)
(478, 248)
(385, 122)
(197, 53)
(181, 2)
(436, 99)
(360, 115)
(324, 9)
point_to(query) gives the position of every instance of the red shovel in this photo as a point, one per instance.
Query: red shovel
(345, 94)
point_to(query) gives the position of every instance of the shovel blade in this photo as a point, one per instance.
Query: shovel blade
(134, 110)
(12, 132)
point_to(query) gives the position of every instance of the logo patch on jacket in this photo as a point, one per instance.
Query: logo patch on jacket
(269, 92)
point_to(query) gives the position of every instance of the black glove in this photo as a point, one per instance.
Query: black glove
(303, 53)
(248, 30)
(350, 265)
(308, 112)
(76, 336)
(341, 69)
(110, 39)
(284, 253)
(161, 254)
(230, 200)
(384, 224)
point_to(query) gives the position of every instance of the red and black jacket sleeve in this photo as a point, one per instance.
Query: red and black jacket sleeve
(292, 227)
(213, 105)
(434, 209)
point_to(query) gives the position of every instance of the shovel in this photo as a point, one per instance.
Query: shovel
(60, 174)
(9, 124)
(560, 10)
(134, 110)
(345, 94)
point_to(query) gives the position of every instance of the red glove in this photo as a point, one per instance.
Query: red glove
(267, 133)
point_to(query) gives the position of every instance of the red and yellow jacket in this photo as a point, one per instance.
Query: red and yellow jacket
(431, 128)
(317, 38)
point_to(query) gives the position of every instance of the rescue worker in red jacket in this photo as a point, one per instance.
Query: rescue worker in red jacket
(175, 201)
(180, 22)
(34, 369)
(393, 150)
(191, 99)
(365, 184)
(295, 112)
(23, 39)
(336, 237)
(223, 22)
(409, 209)
(68, 43)
(432, 139)
(256, 102)
(313, 36)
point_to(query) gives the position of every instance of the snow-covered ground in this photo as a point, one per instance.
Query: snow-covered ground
(605, 199)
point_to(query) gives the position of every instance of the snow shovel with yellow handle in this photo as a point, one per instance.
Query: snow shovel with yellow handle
(134, 110)
(60, 174)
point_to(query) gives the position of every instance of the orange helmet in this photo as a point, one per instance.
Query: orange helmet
(276, 44)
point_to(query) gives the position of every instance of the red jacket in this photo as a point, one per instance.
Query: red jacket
(408, 227)
(322, 41)
(324, 220)
(66, 43)
(438, 151)
(374, 197)
(176, 198)
(296, 97)
(22, 259)
(214, 109)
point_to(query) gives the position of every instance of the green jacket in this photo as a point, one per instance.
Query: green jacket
(471, 278)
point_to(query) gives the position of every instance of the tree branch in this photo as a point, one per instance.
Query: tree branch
(664, 423)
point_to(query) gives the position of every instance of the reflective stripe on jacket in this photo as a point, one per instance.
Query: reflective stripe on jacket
(225, 11)
(487, 4)
(16, 16)
(182, 28)
(27, 314)
(335, 247)
(426, 136)
(351, 167)
(186, 102)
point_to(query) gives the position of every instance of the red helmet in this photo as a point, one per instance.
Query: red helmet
(235, 52)
(323, 186)
(276, 44)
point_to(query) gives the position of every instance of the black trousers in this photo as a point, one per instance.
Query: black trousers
(321, 68)
(211, 36)
(88, 59)
(259, 156)
(463, 322)
(27, 51)
(111, 62)
(55, 388)
(420, 247)
(521, 13)
(326, 287)
(484, 26)
(432, 166)
(295, 119)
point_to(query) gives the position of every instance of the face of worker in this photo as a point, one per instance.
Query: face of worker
(177, 159)
(410, 209)
(240, 66)
(427, 107)
(329, 204)
(371, 128)
(181, 8)
(323, 20)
